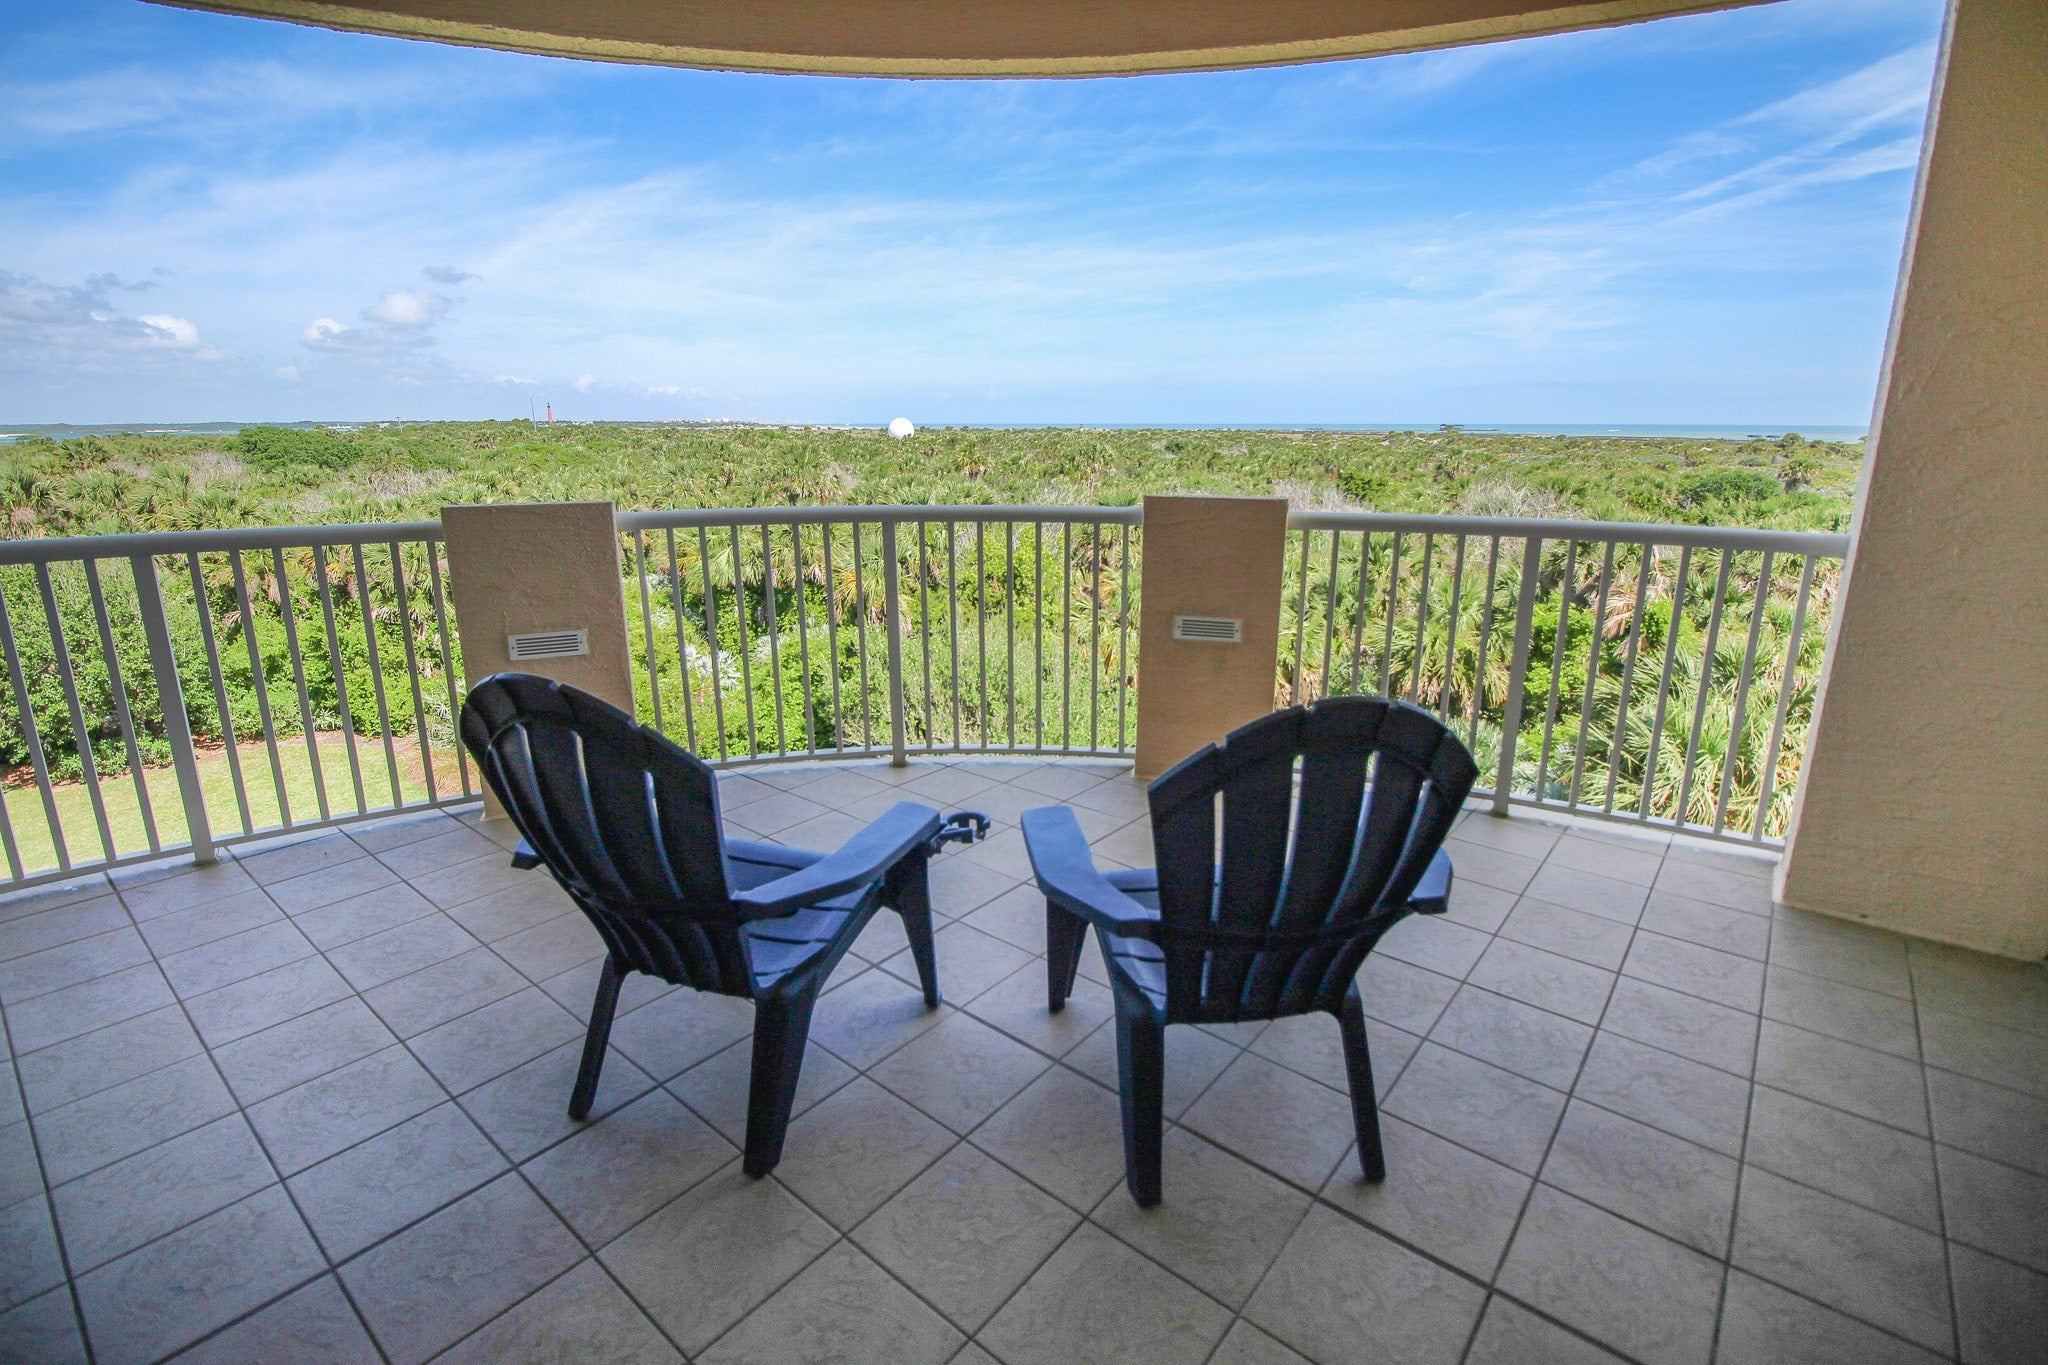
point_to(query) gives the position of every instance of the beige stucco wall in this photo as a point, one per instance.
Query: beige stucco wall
(1925, 800)
(522, 567)
(1206, 557)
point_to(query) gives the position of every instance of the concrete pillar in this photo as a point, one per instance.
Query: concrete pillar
(1217, 558)
(1924, 805)
(517, 568)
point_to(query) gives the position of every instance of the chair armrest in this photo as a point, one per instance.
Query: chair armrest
(1068, 877)
(524, 858)
(860, 860)
(1432, 893)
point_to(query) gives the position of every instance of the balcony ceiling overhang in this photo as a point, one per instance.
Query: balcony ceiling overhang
(963, 38)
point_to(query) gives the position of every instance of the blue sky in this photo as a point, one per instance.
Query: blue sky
(1692, 221)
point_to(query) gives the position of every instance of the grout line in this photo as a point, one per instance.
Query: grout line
(1955, 1319)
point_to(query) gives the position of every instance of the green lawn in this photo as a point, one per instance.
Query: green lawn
(31, 828)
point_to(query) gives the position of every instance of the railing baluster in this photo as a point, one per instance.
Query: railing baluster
(1443, 707)
(746, 647)
(1038, 640)
(1566, 591)
(924, 631)
(1393, 611)
(711, 640)
(202, 606)
(1364, 590)
(1123, 631)
(803, 634)
(892, 606)
(981, 625)
(291, 637)
(1592, 675)
(1010, 621)
(440, 602)
(1330, 615)
(67, 677)
(123, 717)
(1301, 620)
(1671, 631)
(340, 675)
(953, 623)
(774, 632)
(163, 661)
(1738, 720)
(1421, 651)
(1628, 678)
(832, 642)
(1095, 642)
(32, 736)
(675, 606)
(261, 684)
(647, 630)
(1066, 635)
(1518, 673)
(1785, 687)
(369, 612)
(412, 673)
(1706, 685)
(1485, 640)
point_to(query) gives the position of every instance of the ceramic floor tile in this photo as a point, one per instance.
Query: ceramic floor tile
(1735, 889)
(1985, 1051)
(1990, 1120)
(1636, 865)
(1875, 1085)
(1451, 1202)
(431, 854)
(275, 1060)
(1868, 1018)
(24, 978)
(120, 1207)
(1995, 1207)
(1097, 1300)
(1510, 1334)
(533, 902)
(203, 924)
(450, 988)
(842, 1307)
(1406, 996)
(86, 1007)
(1194, 1059)
(342, 881)
(969, 962)
(1589, 891)
(1434, 943)
(1762, 1324)
(29, 1260)
(584, 1315)
(396, 1178)
(1245, 1344)
(1220, 1223)
(1854, 954)
(1017, 1006)
(1493, 1112)
(96, 1131)
(1724, 978)
(311, 1122)
(1479, 906)
(1861, 1161)
(1561, 985)
(959, 1071)
(705, 1261)
(620, 1169)
(45, 1330)
(849, 1154)
(547, 950)
(200, 1278)
(486, 1043)
(315, 1325)
(871, 1016)
(1647, 1296)
(1502, 868)
(1707, 924)
(440, 1280)
(1569, 933)
(679, 1030)
(296, 856)
(1530, 1042)
(965, 1234)
(2002, 1309)
(717, 1088)
(92, 1062)
(1667, 1184)
(1863, 1263)
(1340, 1291)
(1313, 1044)
(359, 917)
(1276, 1119)
(268, 998)
(1063, 1133)
(1701, 1030)
(1681, 1097)
(25, 934)
(370, 962)
(1997, 990)
(526, 1110)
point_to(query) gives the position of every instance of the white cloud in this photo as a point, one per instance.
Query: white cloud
(514, 379)
(289, 373)
(173, 331)
(409, 308)
(585, 383)
(325, 334)
(446, 274)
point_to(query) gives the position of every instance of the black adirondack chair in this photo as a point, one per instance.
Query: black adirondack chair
(1274, 918)
(628, 823)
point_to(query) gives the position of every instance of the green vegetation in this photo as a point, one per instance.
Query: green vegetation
(1011, 635)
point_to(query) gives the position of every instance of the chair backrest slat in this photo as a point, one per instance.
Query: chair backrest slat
(1330, 815)
(627, 821)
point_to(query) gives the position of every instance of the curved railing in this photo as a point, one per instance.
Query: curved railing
(182, 691)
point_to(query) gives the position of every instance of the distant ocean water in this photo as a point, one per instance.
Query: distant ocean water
(1680, 431)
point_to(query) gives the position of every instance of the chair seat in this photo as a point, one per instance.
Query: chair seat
(787, 943)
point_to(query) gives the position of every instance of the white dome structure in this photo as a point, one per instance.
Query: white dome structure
(901, 427)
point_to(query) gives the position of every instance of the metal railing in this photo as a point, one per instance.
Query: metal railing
(185, 691)
(1660, 674)
(771, 633)
(190, 690)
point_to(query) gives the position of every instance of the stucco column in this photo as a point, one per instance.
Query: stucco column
(1924, 805)
(1218, 559)
(516, 568)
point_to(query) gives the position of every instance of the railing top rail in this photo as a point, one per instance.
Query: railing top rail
(1822, 543)
(57, 548)
(898, 513)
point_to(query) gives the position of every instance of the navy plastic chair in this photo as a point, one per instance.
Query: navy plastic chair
(1331, 818)
(628, 823)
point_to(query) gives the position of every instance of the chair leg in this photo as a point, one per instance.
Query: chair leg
(1065, 936)
(1365, 1109)
(596, 1040)
(1141, 1077)
(782, 1026)
(911, 894)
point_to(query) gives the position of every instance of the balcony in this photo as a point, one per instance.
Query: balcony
(307, 1100)
(309, 1103)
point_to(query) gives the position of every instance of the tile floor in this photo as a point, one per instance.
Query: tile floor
(308, 1105)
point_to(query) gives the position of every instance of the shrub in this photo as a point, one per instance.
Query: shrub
(274, 449)
(1720, 487)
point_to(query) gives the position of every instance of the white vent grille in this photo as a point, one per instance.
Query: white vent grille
(1210, 630)
(547, 644)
